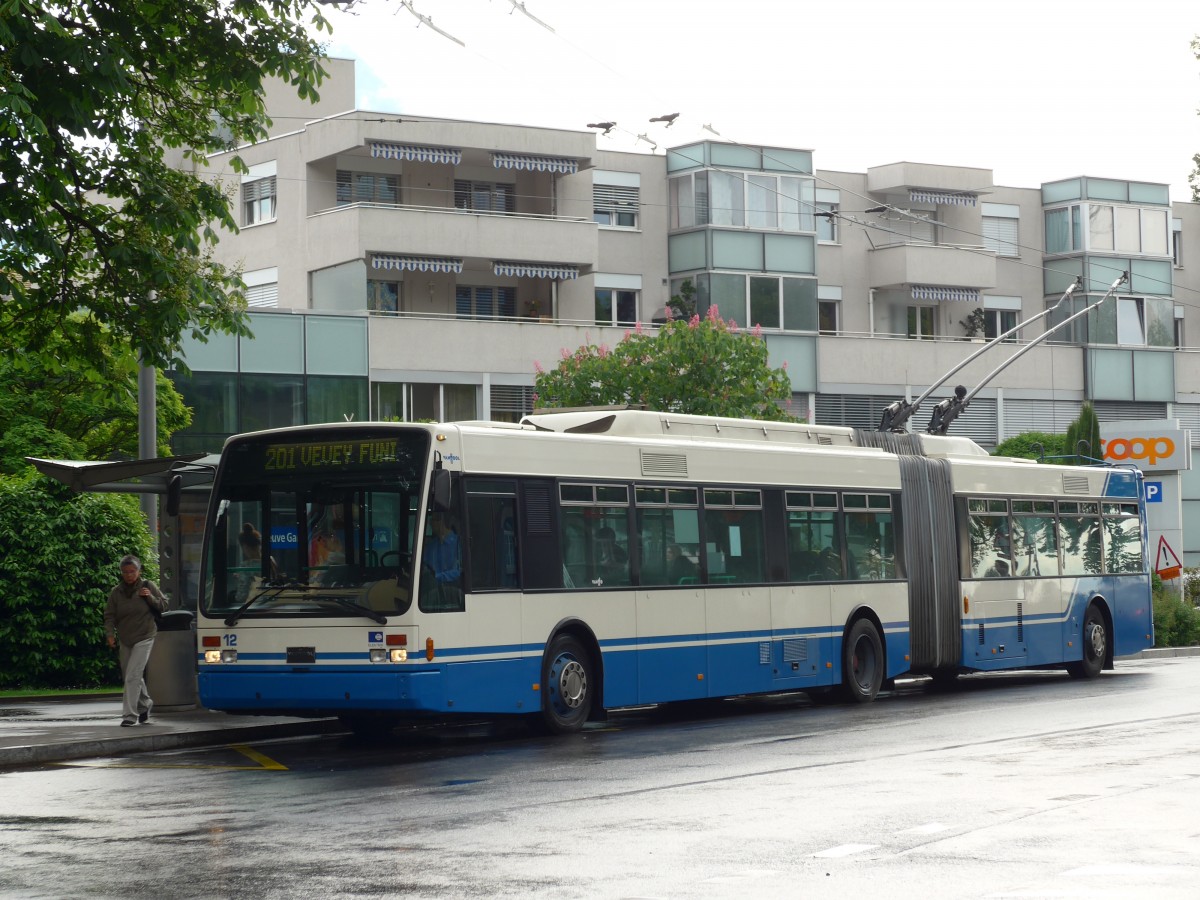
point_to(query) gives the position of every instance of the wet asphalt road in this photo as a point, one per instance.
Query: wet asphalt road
(1028, 785)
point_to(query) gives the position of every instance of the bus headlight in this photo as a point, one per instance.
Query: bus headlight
(400, 655)
(220, 656)
(378, 655)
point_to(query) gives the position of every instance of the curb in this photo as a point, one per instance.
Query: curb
(144, 743)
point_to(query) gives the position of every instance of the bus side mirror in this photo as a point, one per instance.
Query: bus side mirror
(174, 490)
(440, 490)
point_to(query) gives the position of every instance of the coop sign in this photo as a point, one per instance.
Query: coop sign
(1151, 450)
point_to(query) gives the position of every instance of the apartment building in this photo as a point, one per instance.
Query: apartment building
(418, 268)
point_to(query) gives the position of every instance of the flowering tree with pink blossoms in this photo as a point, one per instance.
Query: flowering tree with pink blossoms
(697, 366)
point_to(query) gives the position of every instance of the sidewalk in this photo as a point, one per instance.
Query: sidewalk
(40, 730)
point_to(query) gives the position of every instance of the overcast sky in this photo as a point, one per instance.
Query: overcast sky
(1034, 91)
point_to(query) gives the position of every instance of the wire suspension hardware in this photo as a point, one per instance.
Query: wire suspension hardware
(949, 409)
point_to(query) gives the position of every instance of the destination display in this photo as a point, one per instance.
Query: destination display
(324, 455)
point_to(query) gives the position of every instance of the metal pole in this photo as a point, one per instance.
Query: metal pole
(148, 431)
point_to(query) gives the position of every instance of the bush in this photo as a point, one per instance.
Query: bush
(1176, 623)
(1022, 445)
(60, 562)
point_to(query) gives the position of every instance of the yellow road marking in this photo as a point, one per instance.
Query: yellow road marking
(264, 763)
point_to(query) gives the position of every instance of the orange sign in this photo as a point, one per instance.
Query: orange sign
(1150, 449)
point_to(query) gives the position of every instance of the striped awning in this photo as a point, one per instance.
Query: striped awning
(416, 263)
(536, 270)
(942, 294)
(556, 164)
(942, 198)
(414, 153)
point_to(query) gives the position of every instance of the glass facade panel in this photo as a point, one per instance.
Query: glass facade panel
(686, 252)
(683, 208)
(1058, 231)
(800, 306)
(735, 156)
(342, 287)
(1058, 191)
(336, 345)
(1128, 229)
(270, 401)
(780, 160)
(1100, 227)
(729, 296)
(277, 345)
(1104, 189)
(764, 302)
(218, 354)
(737, 250)
(1156, 232)
(336, 399)
(1149, 276)
(213, 399)
(726, 199)
(1149, 193)
(1153, 376)
(790, 253)
(761, 205)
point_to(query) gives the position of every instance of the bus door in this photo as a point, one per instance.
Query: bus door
(999, 566)
(801, 610)
(672, 631)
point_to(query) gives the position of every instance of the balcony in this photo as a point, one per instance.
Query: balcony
(351, 232)
(935, 265)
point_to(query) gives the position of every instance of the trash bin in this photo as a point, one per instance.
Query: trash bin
(171, 671)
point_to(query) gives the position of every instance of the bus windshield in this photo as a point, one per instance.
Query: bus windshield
(315, 524)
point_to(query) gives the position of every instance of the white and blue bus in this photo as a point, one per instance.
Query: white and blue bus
(583, 561)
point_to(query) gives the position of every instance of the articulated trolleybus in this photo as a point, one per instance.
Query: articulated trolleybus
(589, 560)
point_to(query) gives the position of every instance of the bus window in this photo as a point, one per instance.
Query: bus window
(1035, 538)
(991, 550)
(668, 522)
(595, 535)
(870, 537)
(812, 537)
(733, 536)
(1123, 538)
(1079, 534)
(492, 535)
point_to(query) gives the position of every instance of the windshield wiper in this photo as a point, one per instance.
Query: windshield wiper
(231, 620)
(301, 586)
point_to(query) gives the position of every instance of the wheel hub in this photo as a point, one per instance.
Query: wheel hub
(571, 680)
(1096, 640)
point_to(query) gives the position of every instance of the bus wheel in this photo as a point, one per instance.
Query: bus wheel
(1095, 645)
(567, 686)
(862, 663)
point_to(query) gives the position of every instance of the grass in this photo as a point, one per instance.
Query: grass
(19, 693)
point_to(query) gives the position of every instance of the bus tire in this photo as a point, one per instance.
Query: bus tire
(862, 662)
(568, 685)
(1095, 645)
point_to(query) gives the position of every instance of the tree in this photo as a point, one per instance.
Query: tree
(698, 366)
(74, 414)
(1085, 430)
(93, 218)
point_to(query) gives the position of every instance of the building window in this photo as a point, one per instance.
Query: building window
(367, 187)
(920, 322)
(616, 307)
(258, 200)
(485, 196)
(262, 296)
(741, 200)
(485, 302)
(827, 226)
(1177, 243)
(415, 402)
(1000, 228)
(827, 316)
(383, 296)
(998, 321)
(615, 205)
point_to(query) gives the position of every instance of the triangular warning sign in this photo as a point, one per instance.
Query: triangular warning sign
(1167, 564)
